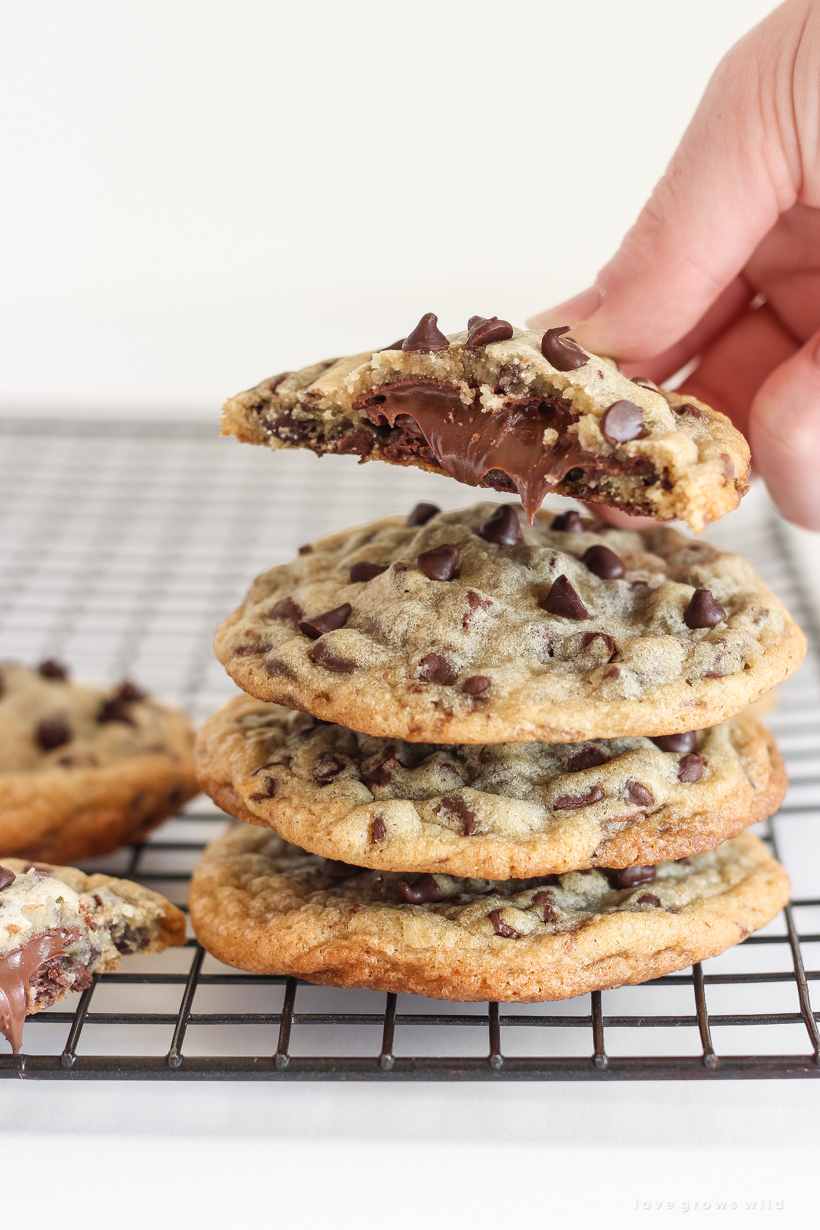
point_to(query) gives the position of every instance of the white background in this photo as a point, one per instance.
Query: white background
(197, 195)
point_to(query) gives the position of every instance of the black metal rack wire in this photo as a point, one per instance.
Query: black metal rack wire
(122, 545)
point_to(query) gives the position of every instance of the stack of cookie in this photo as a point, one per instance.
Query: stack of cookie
(488, 758)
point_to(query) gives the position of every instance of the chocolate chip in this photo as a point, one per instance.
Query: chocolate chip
(475, 685)
(422, 513)
(435, 668)
(334, 869)
(439, 563)
(269, 791)
(116, 710)
(608, 641)
(703, 610)
(6, 877)
(378, 829)
(286, 608)
(483, 330)
(690, 768)
(396, 345)
(306, 548)
(568, 802)
(423, 889)
(503, 929)
(274, 667)
(545, 899)
(694, 411)
(640, 794)
(614, 672)
(425, 337)
(459, 808)
(323, 655)
(686, 742)
(649, 899)
(644, 383)
(364, 571)
(53, 670)
(328, 766)
(623, 421)
(381, 775)
(728, 465)
(129, 691)
(586, 758)
(328, 621)
(288, 429)
(563, 353)
(568, 523)
(502, 527)
(630, 877)
(53, 732)
(564, 601)
(274, 383)
(603, 563)
(250, 651)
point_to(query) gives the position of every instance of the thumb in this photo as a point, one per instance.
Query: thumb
(734, 172)
(784, 432)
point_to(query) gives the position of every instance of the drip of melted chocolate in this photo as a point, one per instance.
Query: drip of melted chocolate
(469, 443)
(17, 968)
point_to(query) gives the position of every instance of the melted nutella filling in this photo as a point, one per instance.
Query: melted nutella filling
(17, 968)
(469, 443)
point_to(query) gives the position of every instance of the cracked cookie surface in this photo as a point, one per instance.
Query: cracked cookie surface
(508, 414)
(475, 627)
(59, 927)
(84, 770)
(497, 810)
(262, 905)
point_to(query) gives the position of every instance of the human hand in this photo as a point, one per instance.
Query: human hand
(724, 260)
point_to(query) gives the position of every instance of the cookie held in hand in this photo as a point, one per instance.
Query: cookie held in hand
(511, 409)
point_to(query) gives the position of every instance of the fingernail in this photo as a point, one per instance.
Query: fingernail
(573, 312)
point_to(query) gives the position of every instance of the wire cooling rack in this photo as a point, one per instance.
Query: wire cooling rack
(121, 547)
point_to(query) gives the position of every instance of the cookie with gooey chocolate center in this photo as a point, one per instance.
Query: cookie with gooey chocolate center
(262, 905)
(496, 810)
(513, 640)
(59, 927)
(530, 413)
(84, 770)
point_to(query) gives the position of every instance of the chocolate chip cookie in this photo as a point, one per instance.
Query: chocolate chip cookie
(507, 408)
(59, 927)
(475, 627)
(84, 770)
(262, 905)
(500, 810)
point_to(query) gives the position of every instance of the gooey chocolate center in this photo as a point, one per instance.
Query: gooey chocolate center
(469, 443)
(17, 968)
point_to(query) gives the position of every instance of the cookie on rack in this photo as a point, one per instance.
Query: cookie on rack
(59, 927)
(511, 409)
(499, 810)
(475, 627)
(84, 770)
(262, 905)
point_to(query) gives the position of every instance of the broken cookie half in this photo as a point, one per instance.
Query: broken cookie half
(59, 927)
(512, 409)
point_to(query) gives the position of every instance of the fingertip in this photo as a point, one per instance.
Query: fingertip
(572, 312)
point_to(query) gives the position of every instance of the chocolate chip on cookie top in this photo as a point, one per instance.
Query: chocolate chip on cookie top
(580, 630)
(511, 409)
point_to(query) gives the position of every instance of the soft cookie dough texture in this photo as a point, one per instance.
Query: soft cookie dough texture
(262, 905)
(501, 414)
(59, 927)
(478, 657)
(84, 770)
(504, 811)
